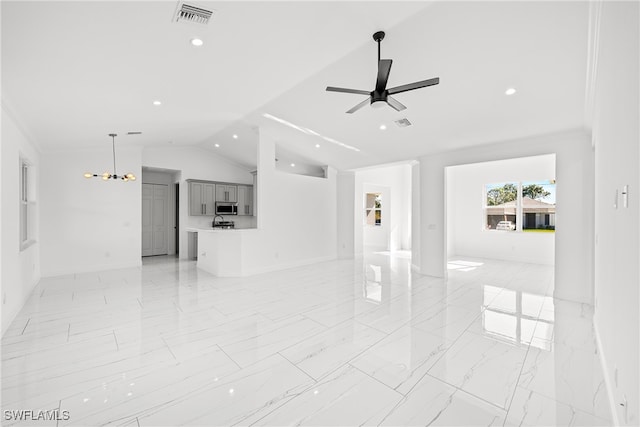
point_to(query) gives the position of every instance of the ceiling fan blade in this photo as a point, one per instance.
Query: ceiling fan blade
(345, 90)
(416, 85)
(384, 67)
(395, 104)
(359, 106)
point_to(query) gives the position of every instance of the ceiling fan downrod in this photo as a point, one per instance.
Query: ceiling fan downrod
(378, 37)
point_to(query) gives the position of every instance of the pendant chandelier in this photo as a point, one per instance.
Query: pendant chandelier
(107, 176)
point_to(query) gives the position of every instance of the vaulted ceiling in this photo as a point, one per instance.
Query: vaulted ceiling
(72, 72)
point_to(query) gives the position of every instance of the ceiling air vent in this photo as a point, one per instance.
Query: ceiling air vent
(403, 123)
(191, 13)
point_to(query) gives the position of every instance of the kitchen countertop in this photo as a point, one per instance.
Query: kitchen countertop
(217, 230)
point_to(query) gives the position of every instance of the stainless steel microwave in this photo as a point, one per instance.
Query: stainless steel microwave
(226, 208)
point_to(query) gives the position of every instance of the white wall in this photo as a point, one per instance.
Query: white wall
(616, 135)
(574, 207)
(394, 182)
(89, 224)
(466, 235)
(197, 163)
(20, 269)
(297, 220)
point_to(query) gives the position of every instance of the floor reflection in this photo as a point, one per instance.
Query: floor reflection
(372, 286)
(518, 317)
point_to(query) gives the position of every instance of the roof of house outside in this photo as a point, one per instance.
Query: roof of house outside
(529, 205)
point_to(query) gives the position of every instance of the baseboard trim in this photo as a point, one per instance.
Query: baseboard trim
(92, 269)
(605, 372)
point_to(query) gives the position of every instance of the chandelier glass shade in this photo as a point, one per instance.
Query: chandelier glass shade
(106, 176)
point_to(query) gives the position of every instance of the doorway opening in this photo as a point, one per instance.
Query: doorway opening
(160, 212)
(503, 210)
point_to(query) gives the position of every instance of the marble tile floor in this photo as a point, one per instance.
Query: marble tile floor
(346, 342)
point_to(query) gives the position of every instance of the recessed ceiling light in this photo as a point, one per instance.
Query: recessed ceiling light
(156, 103)
(293, 165)
(383, 127)
(197, 42)
(317, 145)
(510, 91)
(216, 145)
(235, 136)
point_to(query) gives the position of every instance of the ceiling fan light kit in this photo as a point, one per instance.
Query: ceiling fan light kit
(381, 95)
(106, 175)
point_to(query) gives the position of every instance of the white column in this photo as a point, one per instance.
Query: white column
(346, 182)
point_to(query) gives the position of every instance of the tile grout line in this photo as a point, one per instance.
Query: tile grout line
(115, 338)
(25, 326)
(169, 348)
(375, 379)
(232, 359)
(297, 367)
(467, 393)
(442, 355)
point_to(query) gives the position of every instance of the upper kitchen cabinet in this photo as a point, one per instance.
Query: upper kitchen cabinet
(245, 200)
(226, 193)
(202, 198)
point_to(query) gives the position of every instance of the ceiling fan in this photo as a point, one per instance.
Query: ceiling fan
(381, 95)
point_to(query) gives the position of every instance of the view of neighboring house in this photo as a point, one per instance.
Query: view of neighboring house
(536, 214)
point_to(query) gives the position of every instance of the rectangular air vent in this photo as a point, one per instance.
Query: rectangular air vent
(403, 123)
(194, 14)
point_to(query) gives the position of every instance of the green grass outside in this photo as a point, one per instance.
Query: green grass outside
(538, 230)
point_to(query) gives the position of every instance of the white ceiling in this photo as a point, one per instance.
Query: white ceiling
(72, 72)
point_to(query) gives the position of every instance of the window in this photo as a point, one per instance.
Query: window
(501, 206)
(539, 206)
(27, 205)
(520, 206)
(373, 209)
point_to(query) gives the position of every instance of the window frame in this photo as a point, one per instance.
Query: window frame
(519, 206)
(373, 209)
(486, 206)
(26, 204)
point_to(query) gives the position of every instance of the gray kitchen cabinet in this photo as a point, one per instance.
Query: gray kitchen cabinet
(202, 198)
(245, 200)
(226, 193)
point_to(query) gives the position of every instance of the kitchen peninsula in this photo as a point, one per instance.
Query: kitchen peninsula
(221, 251)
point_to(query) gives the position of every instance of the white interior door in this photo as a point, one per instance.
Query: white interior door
(159, 218)
(155, 198)
(147, 223)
